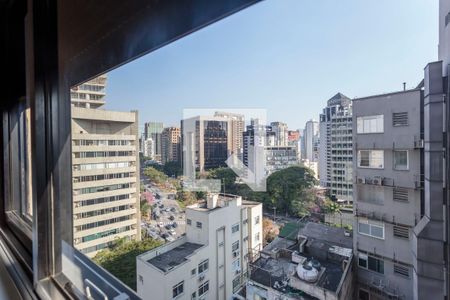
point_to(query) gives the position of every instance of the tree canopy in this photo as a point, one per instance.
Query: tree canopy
(120, 260)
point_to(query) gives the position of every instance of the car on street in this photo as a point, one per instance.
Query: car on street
(168, 226)
(173, 209)
(170, 239)
(174, 225)
(171, 218)
(160, 224)
(164, 235)
(172, 232)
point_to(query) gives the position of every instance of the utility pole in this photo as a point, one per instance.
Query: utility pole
(274, 214)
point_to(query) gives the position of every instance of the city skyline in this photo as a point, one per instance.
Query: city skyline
(224, 65)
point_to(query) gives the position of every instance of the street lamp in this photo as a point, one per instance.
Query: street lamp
(274, 214)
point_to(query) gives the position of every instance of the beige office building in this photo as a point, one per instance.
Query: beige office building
(105, 170)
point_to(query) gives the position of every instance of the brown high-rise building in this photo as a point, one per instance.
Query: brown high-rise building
(170, 144)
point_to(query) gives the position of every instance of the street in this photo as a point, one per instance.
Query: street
(167, 219)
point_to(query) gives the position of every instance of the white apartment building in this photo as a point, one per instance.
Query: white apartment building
(148, 148)
(105, 170)
(335, 150)
(311, 141)
(222, 237)
(279, 158)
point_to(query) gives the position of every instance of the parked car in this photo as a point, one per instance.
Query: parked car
(172, 232)
(168, 226)
(171, 218)
(170, 239)
(160, 224)
(174, 225)
(164, 235)
(173, 209)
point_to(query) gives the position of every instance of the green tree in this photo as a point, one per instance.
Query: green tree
(173, 169)
(155, 175)
(227, 178)
(120, 260)
(145, 208)
(289, 189)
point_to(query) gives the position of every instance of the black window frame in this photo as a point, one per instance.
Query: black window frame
(59, 55)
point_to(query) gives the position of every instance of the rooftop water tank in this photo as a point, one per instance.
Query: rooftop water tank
(307, 273)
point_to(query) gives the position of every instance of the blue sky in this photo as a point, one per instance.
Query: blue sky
(286, 56)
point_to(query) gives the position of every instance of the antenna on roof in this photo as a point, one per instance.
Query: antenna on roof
(404, 86)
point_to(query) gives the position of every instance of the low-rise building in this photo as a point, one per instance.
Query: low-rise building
(279, 158)
(223, 235)
(315, 263)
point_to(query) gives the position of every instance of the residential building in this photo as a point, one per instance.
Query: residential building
(388, 151)
(153, 130)
(211, 260)
(306, 261)
(149, 148)
(311, 141)
(313, 165)
(237, 128)
(170, 143)
(335, 159)
(105, 170)
(278, 158)
(256, 134)
(281, 133)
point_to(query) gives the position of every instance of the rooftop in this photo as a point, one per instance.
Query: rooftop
(331, 235)
(174, 257)
(314, 242)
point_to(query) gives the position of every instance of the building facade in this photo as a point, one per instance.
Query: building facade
(335, 150)
(206, 141)
(311, 141)
(148, 148)
(388, 151)
(211, 260)
(153, 130)
(279, 158)
(237, 128)
(281, 133)
(105, 172)
(170, 143)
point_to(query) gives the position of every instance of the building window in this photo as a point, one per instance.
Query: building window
(235, 228)
(193, 271)
(189, 221)
(401, 231)
(199, 224)
(400, 194)
(400, 119)
(235, 246)
(401, 160)
(193, 296)
(370, 263)
(203, 289)
(203, 266)
(370, 124)
(371, 228)
(141, 279)
(257, 236)
(236, 283)
(177, 289)
(371, 159)
(401, 270)
(257, 219)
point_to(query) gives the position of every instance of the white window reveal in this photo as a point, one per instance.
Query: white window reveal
(371, 228)
(370, 124)
(373, 159)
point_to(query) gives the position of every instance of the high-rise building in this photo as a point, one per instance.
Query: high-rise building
(387, 167)
(401, 191)
(153, 130)
(148, 148)
(311, 141)
(237, 127)
(170, 142)
(223, 235)
(335, 150)
(207, 141)
(256, 134)
(105, 162)
(281, 133)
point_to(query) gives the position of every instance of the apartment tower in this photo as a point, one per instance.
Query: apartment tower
(105, 170)
(335, 150)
